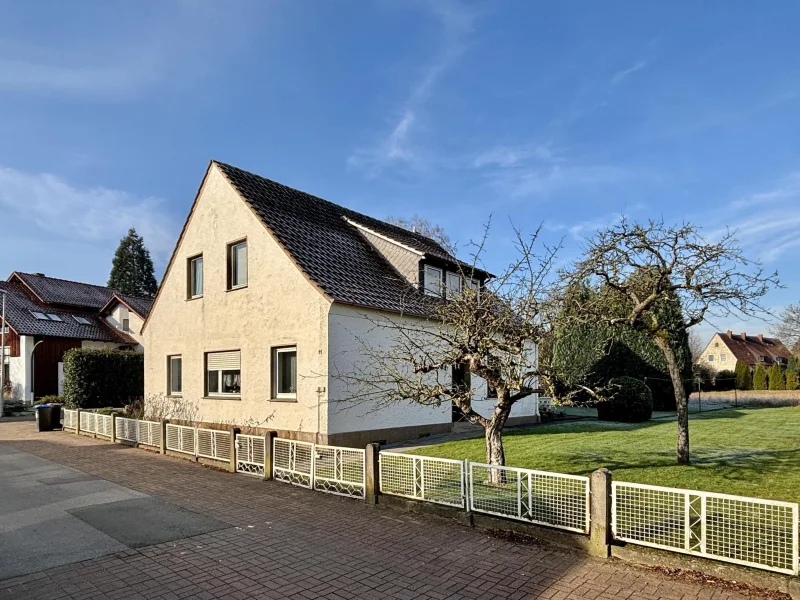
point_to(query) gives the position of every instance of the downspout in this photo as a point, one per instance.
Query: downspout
(33, 367)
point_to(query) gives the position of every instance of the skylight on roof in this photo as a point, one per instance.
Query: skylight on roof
(40, 315)
(53, 317)
(81, 320)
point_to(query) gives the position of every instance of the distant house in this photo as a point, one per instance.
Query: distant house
(725, 349)
(48, 316)
(268, 295)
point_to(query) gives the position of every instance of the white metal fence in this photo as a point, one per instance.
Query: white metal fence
(181, 438)
(541, 497)
(251, 455)
(141, 432)
(439, 480)
(331, 469)
(747, 531)
(105, 423)
(213, 444)
(70, 419)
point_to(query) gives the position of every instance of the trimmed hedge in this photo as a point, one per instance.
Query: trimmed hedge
(102, 378)
(631, 402)
(724, 381)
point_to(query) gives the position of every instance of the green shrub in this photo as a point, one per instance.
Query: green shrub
(630, 401)
(102, 378)
(724, 380)
(792, 380)
(744, 378)
(108, 410)
(704, 375)
(50, 400)
(777, 381)
(760, 378)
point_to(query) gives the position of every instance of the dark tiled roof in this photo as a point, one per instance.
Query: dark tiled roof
(751, 347)
(67, 293)
(141, 306)
(329, 250)
(19, 305)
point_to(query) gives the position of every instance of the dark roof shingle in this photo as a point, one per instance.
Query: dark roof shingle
(330, 251)
(751, 347)
(52, 290)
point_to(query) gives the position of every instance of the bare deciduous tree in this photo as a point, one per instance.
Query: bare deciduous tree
(650, 264)
(424, 227)
(491, 333)
(696, 344)
(787, 328)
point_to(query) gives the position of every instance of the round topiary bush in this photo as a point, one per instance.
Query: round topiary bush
(630, 401)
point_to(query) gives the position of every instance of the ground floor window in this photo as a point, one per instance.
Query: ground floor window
(224, 373)
(284, 372)
(175, 375)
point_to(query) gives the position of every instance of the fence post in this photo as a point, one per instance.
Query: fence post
(600, 513)
(268, 449)
(372, 473)
(78, 424)
(163, 445)
(232, 465)
(113, 428)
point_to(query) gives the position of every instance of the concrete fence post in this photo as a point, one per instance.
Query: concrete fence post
(232, 465)
(163, 445)
(600, 511)
(78, 424)
(113, 428)
(372, 473)
(268, 449)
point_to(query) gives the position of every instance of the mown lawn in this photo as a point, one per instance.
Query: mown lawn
(749, 452)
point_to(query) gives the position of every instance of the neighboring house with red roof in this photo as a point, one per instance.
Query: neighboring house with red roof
(726, 349)
(270, 293)
(46, 316)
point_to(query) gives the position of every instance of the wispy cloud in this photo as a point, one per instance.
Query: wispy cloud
(764, 221)
(621, 76)
(53, 212)
(510, 156)
(457, 22)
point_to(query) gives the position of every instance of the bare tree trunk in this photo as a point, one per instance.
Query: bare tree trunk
(495, 453)
(681, 401)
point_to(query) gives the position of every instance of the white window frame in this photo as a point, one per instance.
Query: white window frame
(276, 353)
(219, 393)
(723, 357)
(193, 276)
(81, 320)
(429, 279)
(453, 277)
(710, 358)
(171, 358)
(474, 284)
(232, 264)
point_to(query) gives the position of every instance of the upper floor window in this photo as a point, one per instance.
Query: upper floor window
(126, 324)
(196, 276)
(433, 281)
(224, 373)
(454, 282)
(45, 316)
(710, 358)
(81, 320)
(237, 265)
(723, 357)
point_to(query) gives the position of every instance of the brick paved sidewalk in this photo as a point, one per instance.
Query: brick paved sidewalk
(286, 542)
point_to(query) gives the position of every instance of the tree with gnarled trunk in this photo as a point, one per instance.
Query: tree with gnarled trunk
(491, 333)
(648, 265)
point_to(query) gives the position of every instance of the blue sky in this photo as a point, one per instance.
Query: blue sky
(565, 114)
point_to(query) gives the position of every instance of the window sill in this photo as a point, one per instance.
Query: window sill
(238, 287)
(293, 399)
(200, 297)
(222, 397)
(175, 396)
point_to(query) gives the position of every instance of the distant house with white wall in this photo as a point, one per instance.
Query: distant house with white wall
(726, 349)
(266, 296)
(47, 316)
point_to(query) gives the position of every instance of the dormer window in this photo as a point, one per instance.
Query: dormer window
(473, 284)
(433, 281)
(454, 283)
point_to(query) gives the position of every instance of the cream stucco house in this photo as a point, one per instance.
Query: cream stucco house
(267, 293)
(726, 349)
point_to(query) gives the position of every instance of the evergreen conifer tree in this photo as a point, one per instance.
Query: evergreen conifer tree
(132, 268)
(760, 378)
(776, 379)
(744, 378)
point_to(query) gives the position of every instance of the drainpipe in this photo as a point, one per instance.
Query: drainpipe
(33, 366)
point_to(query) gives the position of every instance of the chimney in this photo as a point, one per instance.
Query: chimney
(761, 337)
(743, 335)
(39, 274)
(730, 334)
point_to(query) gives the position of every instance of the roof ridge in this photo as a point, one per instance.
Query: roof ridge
(339, 206)
(105, 287)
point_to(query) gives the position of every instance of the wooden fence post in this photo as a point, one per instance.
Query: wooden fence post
(78, 424)
(268, 447)
(372, 473)
(113, 428)
(600, 510)
(163, 446)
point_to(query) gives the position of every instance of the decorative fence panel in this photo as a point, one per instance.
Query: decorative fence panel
(70, 419)
(251, 455)
(88, 422)
(339, 471)
(181, 438)
(127, 429)
(540, 497)
(746, 531)
(149, 433)
(105, 424)
(439, 480)
(293, 462)
(214, 444)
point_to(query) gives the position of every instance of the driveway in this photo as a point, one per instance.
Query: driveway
(83, 518)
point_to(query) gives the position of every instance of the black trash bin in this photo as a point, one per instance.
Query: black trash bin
(48, 416)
